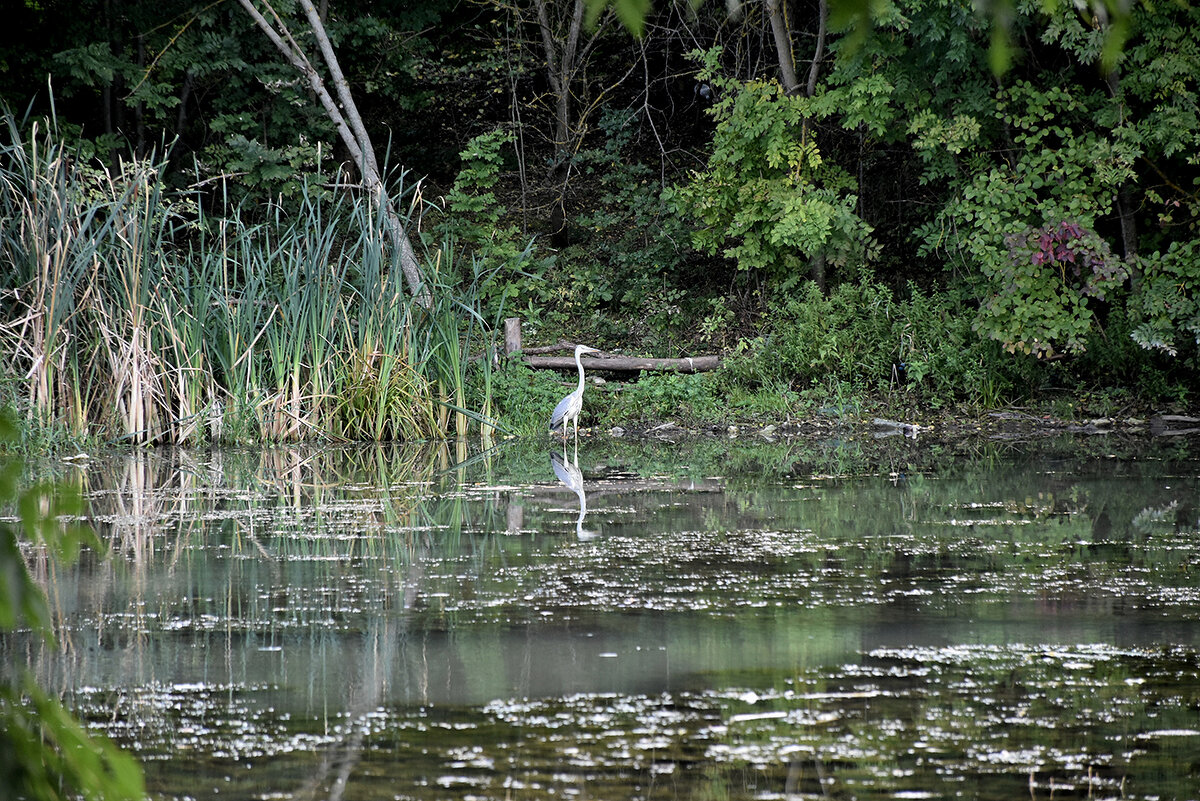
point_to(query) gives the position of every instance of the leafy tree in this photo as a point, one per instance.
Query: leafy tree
(768, 199)
(1069, 149)
(476, 223)
(135, 75)
(1023, 221)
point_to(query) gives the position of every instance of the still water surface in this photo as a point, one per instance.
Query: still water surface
(656, 620)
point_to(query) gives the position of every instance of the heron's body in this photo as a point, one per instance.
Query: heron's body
(568, 409)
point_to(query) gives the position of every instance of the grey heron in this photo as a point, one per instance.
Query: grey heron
(569, 407)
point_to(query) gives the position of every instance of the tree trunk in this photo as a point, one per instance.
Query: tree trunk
(1125, 205)
(560, 69)
(817, 271)
(349, 125)
(1125, 201)
(777, 13)
(185, 94)
(814, 69)
(561, 47)
(818, 263)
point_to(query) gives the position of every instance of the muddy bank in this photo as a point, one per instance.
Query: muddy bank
(999, 425)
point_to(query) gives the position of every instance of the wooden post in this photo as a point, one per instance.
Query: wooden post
(514, 518)
(512, 335)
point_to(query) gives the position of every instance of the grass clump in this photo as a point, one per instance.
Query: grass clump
(862, 340)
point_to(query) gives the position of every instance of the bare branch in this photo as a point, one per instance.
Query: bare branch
(340, 85)
(292, 52)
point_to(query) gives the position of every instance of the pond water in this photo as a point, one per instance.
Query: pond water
(702, 619)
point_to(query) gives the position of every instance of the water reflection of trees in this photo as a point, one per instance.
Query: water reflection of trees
(292, 520)
(374, 558)
(220, 556)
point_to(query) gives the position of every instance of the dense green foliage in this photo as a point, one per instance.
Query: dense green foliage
(907, 223)
(768, 200)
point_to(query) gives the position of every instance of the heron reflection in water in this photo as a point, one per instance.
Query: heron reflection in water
(568, 473)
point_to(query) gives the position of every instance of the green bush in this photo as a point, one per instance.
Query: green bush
(1041, 303)
(1167, 302)
(676, 397)
(810, 337)
(1026, 226)
(481, 231)
(863, 339)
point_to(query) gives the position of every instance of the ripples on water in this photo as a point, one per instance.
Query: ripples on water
(712, 621)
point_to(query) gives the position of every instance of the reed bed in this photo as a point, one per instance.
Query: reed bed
(133, 313)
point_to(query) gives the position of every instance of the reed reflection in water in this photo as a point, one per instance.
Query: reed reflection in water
(368, 622)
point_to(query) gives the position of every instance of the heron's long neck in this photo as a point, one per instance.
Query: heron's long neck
(579, 364)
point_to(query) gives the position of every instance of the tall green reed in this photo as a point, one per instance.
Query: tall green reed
(47, 214)
(129, 254)
(141, 316)
(447, 341)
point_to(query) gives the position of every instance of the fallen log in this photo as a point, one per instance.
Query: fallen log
(562, 344)
(628, 364)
